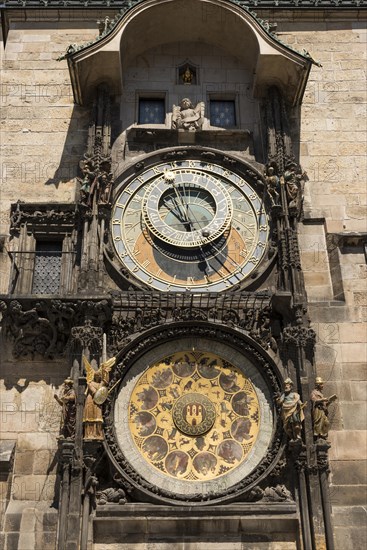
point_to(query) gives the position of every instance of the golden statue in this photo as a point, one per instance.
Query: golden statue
(187, 75)
(97, 382)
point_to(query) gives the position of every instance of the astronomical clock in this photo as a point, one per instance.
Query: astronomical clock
(191, 416)
(191, 420)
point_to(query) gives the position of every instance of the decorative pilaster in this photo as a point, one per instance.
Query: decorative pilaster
(75, 490)
(95, 192)
(285, 182)
(322, 448)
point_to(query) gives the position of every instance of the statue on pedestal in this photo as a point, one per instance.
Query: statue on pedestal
(67, 401)
(291, 411)
(187, 117)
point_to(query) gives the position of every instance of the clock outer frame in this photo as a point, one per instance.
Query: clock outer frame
(125, 279)
(216, 492)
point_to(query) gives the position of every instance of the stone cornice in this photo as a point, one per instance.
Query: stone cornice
(125, 4)
(264, 23)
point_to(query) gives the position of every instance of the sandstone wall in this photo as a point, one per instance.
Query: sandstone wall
(333, 153)
(43, 139)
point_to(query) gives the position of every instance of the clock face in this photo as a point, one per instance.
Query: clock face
(194, 416)
(189, 225)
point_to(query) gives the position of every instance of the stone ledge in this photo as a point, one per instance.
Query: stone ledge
(240, 509)
(227, 523)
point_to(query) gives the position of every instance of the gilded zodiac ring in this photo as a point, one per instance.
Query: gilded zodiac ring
(193, 414)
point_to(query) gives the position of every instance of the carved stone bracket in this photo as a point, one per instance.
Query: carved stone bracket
(322, 450)
(247, 312)
(40, 216)
(299, 336)
(298, 453)
(87, 336)
(65, 451)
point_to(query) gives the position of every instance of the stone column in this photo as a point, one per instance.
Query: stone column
(298, 338)
(66, 450)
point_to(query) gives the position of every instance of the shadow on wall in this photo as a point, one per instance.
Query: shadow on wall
(74, 147)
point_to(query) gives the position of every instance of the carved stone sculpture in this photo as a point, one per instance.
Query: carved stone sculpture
(67, 401)
(114, 495)
(279, 493)
(86, 182)
(96, 381)
(187, 117)
(272, 185)
(291, 411)
(320, 410)
(104, 25)
(293, 178)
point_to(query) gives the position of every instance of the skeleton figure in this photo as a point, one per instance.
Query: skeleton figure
(272, 185)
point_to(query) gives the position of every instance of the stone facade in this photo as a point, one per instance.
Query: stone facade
(44, 136)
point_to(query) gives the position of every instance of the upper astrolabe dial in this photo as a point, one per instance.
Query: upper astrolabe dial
(189, 225)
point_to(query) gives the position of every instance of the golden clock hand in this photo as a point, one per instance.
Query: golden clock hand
(181, 201)
(169, 177)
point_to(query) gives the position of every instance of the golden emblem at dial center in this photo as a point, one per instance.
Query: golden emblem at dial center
(193, 414)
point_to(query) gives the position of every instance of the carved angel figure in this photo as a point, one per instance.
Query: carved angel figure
(92, 414)
(187, 117)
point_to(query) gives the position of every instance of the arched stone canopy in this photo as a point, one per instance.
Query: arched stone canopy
(218, 22)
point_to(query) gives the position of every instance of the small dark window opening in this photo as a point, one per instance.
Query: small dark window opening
(152, 111)
(47, 267)
(222, 113)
